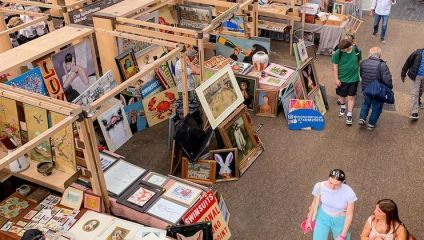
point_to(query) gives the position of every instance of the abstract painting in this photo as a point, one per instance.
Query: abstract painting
(300, 104)
(194, 17)
(32, 81)
(63, 147)
(51, 80)
(9, 121)
(161, 106)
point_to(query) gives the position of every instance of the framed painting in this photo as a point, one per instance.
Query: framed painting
(51, 80)
(309, 77)
(239, 49)
(299, 87)
(120, 229)
(155, 179)
(273, 81)
(32, 81)
(300, 104)
(297, 55)
(220, 96)
(9, 120)
(241, 67)
(183, 193)
(266, 103)
(104, 84)
(161, 106)
(116, 182)
(319, 102)
(127, 64)
(194, 17)
(227, 168)
(197, 231)
(63, 146)
(248, 87)
(148, 233)
(72, 198)
(140, 196)
(201, 171)
(279, 71)
(92, 202)
(224, 209)
(236, 24)
(114, 125)
(135, 114)
(338, 8)
(167, 210)
(303, 53)
(91, 225)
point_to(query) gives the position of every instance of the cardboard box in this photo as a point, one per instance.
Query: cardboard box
(339, 22)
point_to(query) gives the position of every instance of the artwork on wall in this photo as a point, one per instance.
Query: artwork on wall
(227, 168)
(51, 80)
(140, 196)
(220, 96)
(63, 146)
(183, 193)
(235, 24)
(201, 171)
(338, 8)
(104, 84)
(167, 210)
(161, 106)
(240, 49)
(116, 182)
(127, 64)
(248, 87)
(32, 81)
(114, 125)
(9, 121)
(135, 114)
(309, 78)
(37, 123)
(266, 103)
(75, 68)
(194, 17)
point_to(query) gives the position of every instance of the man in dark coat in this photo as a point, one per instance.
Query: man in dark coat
(414, 68)
(373, 68)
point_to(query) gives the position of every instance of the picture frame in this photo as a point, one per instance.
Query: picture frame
(236, 24)
(296, 104)
(303, 53)
(273, 81)
(116, 182)
(127, 64)
(338, 8)
(297, 55)
(193, 17)
(211, 94)
(279, 71)
(140, 196)
(120, 229)
(248, 89)
(319, 102)
(107, 160)
(266, 103)
(299, 87)
(168, 99)
(183, 193)
(224, 209)
(201, 171)
(309, 77)
(228, 169)
(92, 202)
(72, 198)
(196, 231)
(167, 210)
(155, 179)
(91, 224)
(32, 80)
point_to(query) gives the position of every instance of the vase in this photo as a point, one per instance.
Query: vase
(260, 61)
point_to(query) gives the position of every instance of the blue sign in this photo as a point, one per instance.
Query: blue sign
(305, 118)
(152, 86)
(32, 81)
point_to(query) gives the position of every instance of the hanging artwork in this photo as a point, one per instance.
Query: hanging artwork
(161, 106)
(266, 103)
(9, 122)
(240, 49)
(75, 68)
(135, 114)
(63, 146)
(51, 80)
(309, 77)
(104, 84)
(37, 123)
(220, 96)
(127, 64)
(227, 168)
(115, 127)
(194, 17)
(32, 81)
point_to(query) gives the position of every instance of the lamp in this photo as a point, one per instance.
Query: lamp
(19, 164)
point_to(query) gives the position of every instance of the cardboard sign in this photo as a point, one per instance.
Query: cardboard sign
(207, 209)
(305, 118)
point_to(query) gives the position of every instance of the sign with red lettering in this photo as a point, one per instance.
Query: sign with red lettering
(54, 88)
(207, 209)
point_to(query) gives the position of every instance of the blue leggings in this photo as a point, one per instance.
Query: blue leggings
(326, 223)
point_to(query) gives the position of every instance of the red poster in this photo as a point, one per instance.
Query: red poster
(51, 80)
(207, 209)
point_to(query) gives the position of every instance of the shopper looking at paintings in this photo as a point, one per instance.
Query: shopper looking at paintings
(346, 76)
(333, 205)
(384, 223)
(371, 69)
(414, 68)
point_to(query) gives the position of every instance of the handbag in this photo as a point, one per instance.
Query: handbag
(314, 215)
(378, 90)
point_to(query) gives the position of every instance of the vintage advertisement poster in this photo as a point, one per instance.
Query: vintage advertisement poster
(207, 209)
(53, 86)
(9, 122)
(63, 146)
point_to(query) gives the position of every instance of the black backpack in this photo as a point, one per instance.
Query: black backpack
(355, 48)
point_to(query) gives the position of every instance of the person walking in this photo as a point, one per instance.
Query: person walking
(334, 202)
(414, 68)
(373, 68)
(380, 10)
(384, 223)
(346, 76)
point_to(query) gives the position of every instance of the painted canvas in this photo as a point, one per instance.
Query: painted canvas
(37, 123)
(32, 81)
(75, 68)
(227, 167)
(309, 78)
(136, 116)
(241, 68)
(299, 88)
(51, 80)
(303, 53)
(63, 147)
(248, 87)
(201, 171)
(235, 24)
(161, 106)
(266, 103)
(300, 104)
(9, 121)
(240, 49)
(220, 96)
(104, 84)
(127, 64)
(115, 127)
(194, 17)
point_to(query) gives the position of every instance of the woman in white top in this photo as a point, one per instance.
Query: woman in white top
(384, 224)
(336, 204)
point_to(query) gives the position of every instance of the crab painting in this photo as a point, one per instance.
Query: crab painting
(164, 107)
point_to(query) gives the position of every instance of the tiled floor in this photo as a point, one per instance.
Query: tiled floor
(410, 10)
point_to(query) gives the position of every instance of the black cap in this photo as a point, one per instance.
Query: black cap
(33, 234)
(338, 174)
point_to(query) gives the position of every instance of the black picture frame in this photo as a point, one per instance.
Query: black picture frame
(252, 82)
(191, 229)
(123, 199)
(127, 55)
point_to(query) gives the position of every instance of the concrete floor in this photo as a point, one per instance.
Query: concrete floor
(271, 198)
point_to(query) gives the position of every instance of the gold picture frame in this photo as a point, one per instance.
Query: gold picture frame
(201, 171)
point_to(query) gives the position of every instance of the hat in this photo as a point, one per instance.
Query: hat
(191, 53)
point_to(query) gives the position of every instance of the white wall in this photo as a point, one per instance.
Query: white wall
(366, 4)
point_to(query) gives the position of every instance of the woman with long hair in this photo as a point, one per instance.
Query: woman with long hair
(385, 223)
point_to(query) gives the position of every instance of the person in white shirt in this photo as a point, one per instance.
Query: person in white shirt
(380, 9)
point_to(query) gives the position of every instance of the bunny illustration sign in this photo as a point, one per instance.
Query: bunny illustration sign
(227, 168)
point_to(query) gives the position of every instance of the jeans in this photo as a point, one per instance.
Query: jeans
(326, 223)
(416, 93)
(377, 108)
(377, 19)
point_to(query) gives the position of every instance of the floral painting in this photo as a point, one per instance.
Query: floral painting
(9, 123)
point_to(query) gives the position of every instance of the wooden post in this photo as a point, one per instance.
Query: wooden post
(184, 84)
(201, 59)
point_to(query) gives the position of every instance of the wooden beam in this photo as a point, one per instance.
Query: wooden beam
(184, 83)
(135, 78)
(215, 3)
(152, 9)
(24, 25)
(216, 22)
(36, 4)
(76, 4)
(125, 8)
(22, 12)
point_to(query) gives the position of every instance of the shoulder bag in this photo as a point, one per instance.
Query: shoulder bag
(379, 90)
(314, 214)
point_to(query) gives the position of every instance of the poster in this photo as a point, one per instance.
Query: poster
(104, 84)
(207, 209)
(161, 106)
(9, 122)
(51, 81)
(63, 146)
(31, 81)
(136, 116)
(84, 15)
(240, 49)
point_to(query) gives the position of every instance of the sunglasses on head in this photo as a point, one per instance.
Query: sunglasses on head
(338, 175)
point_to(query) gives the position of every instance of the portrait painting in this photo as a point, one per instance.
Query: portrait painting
(183, 193)
(104, 84)
(309, 78)
(51, 80)
(32, 81)
(115, 128)
(220, 96)
(9, 121)
(193, 17)
(227, 168)
(241, 49)
(63, 146)
(127, 64)
(167, 210)
(90, 225)
(235, 24)
(299, 87)
(338, 8)
(266, 103)
(248, 87)
(161, 106)
(201, 171)
(303, 53)
(75, 68)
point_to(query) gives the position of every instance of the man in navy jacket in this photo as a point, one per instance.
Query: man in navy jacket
(414, 67)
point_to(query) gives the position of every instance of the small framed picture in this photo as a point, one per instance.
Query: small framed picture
(72, 198)
(167, 210)
(156, 179)
(227, 168)
(183, 193)
(201, 171)
(92, 202)
(248, 85)
(127, 64)
(266, 103)
(309, 77)
(140, 196)
(106, 160)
